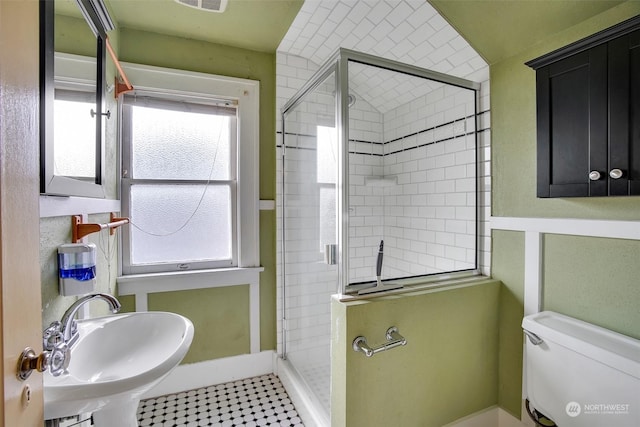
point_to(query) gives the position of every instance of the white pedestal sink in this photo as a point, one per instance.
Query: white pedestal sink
(115, 361)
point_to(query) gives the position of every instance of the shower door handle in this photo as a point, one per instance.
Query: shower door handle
(331, 254)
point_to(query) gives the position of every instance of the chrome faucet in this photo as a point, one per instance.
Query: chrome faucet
(68, 326)
(58, 338)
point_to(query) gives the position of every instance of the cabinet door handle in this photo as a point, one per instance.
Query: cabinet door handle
(615, 173)
(594, 175)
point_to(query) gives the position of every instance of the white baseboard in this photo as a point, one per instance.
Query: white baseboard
(486, 418)
(489, 417)
(505, 419)
(217, 371)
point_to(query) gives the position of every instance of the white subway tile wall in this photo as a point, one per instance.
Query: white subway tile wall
(423, 204)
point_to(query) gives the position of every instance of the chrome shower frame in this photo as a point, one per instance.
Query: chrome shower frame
(339, 63)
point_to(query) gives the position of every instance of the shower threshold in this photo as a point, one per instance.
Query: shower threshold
(312, 409)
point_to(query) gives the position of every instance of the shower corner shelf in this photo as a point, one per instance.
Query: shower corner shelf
(381, 181)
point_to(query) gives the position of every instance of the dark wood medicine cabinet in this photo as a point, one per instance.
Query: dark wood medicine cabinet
(588, 115)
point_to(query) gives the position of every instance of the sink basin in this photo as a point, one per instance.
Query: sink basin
(115, 361)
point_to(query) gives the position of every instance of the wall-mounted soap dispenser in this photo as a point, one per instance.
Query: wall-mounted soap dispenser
(77, 268)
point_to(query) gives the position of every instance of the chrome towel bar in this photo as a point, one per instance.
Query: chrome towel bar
(394, 339)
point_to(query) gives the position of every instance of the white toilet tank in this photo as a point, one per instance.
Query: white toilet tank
(580, 374)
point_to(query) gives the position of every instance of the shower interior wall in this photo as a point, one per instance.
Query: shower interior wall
(422, 198)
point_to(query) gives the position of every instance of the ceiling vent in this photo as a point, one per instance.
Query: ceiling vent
(207, 5)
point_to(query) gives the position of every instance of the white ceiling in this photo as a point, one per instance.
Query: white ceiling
(409, 31)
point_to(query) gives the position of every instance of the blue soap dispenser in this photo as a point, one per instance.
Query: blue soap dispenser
(77, 268)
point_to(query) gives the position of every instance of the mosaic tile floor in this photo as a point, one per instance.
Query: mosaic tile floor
(259, 401)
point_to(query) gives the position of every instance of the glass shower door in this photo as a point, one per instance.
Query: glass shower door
(310, 153)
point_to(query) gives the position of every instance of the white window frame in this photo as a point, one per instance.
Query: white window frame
(244, 93)
(129, 179)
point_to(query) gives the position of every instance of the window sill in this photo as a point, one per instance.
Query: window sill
(186, 280)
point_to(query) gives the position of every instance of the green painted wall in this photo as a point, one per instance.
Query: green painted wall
(268, 239)
(598, 289)
(221, 329)
(73, 35)
(221, 315)
(447, 370)
(595, 280)
(508, 267)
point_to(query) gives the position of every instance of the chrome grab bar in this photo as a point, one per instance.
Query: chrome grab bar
(394, 339)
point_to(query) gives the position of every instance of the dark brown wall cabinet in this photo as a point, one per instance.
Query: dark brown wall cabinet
(588, 112)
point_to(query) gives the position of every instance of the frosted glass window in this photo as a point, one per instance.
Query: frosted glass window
(74, 135)
(163, 209)
(169, 144)
(326, 169)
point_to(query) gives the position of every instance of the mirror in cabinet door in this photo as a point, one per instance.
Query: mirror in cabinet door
(72, 97)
